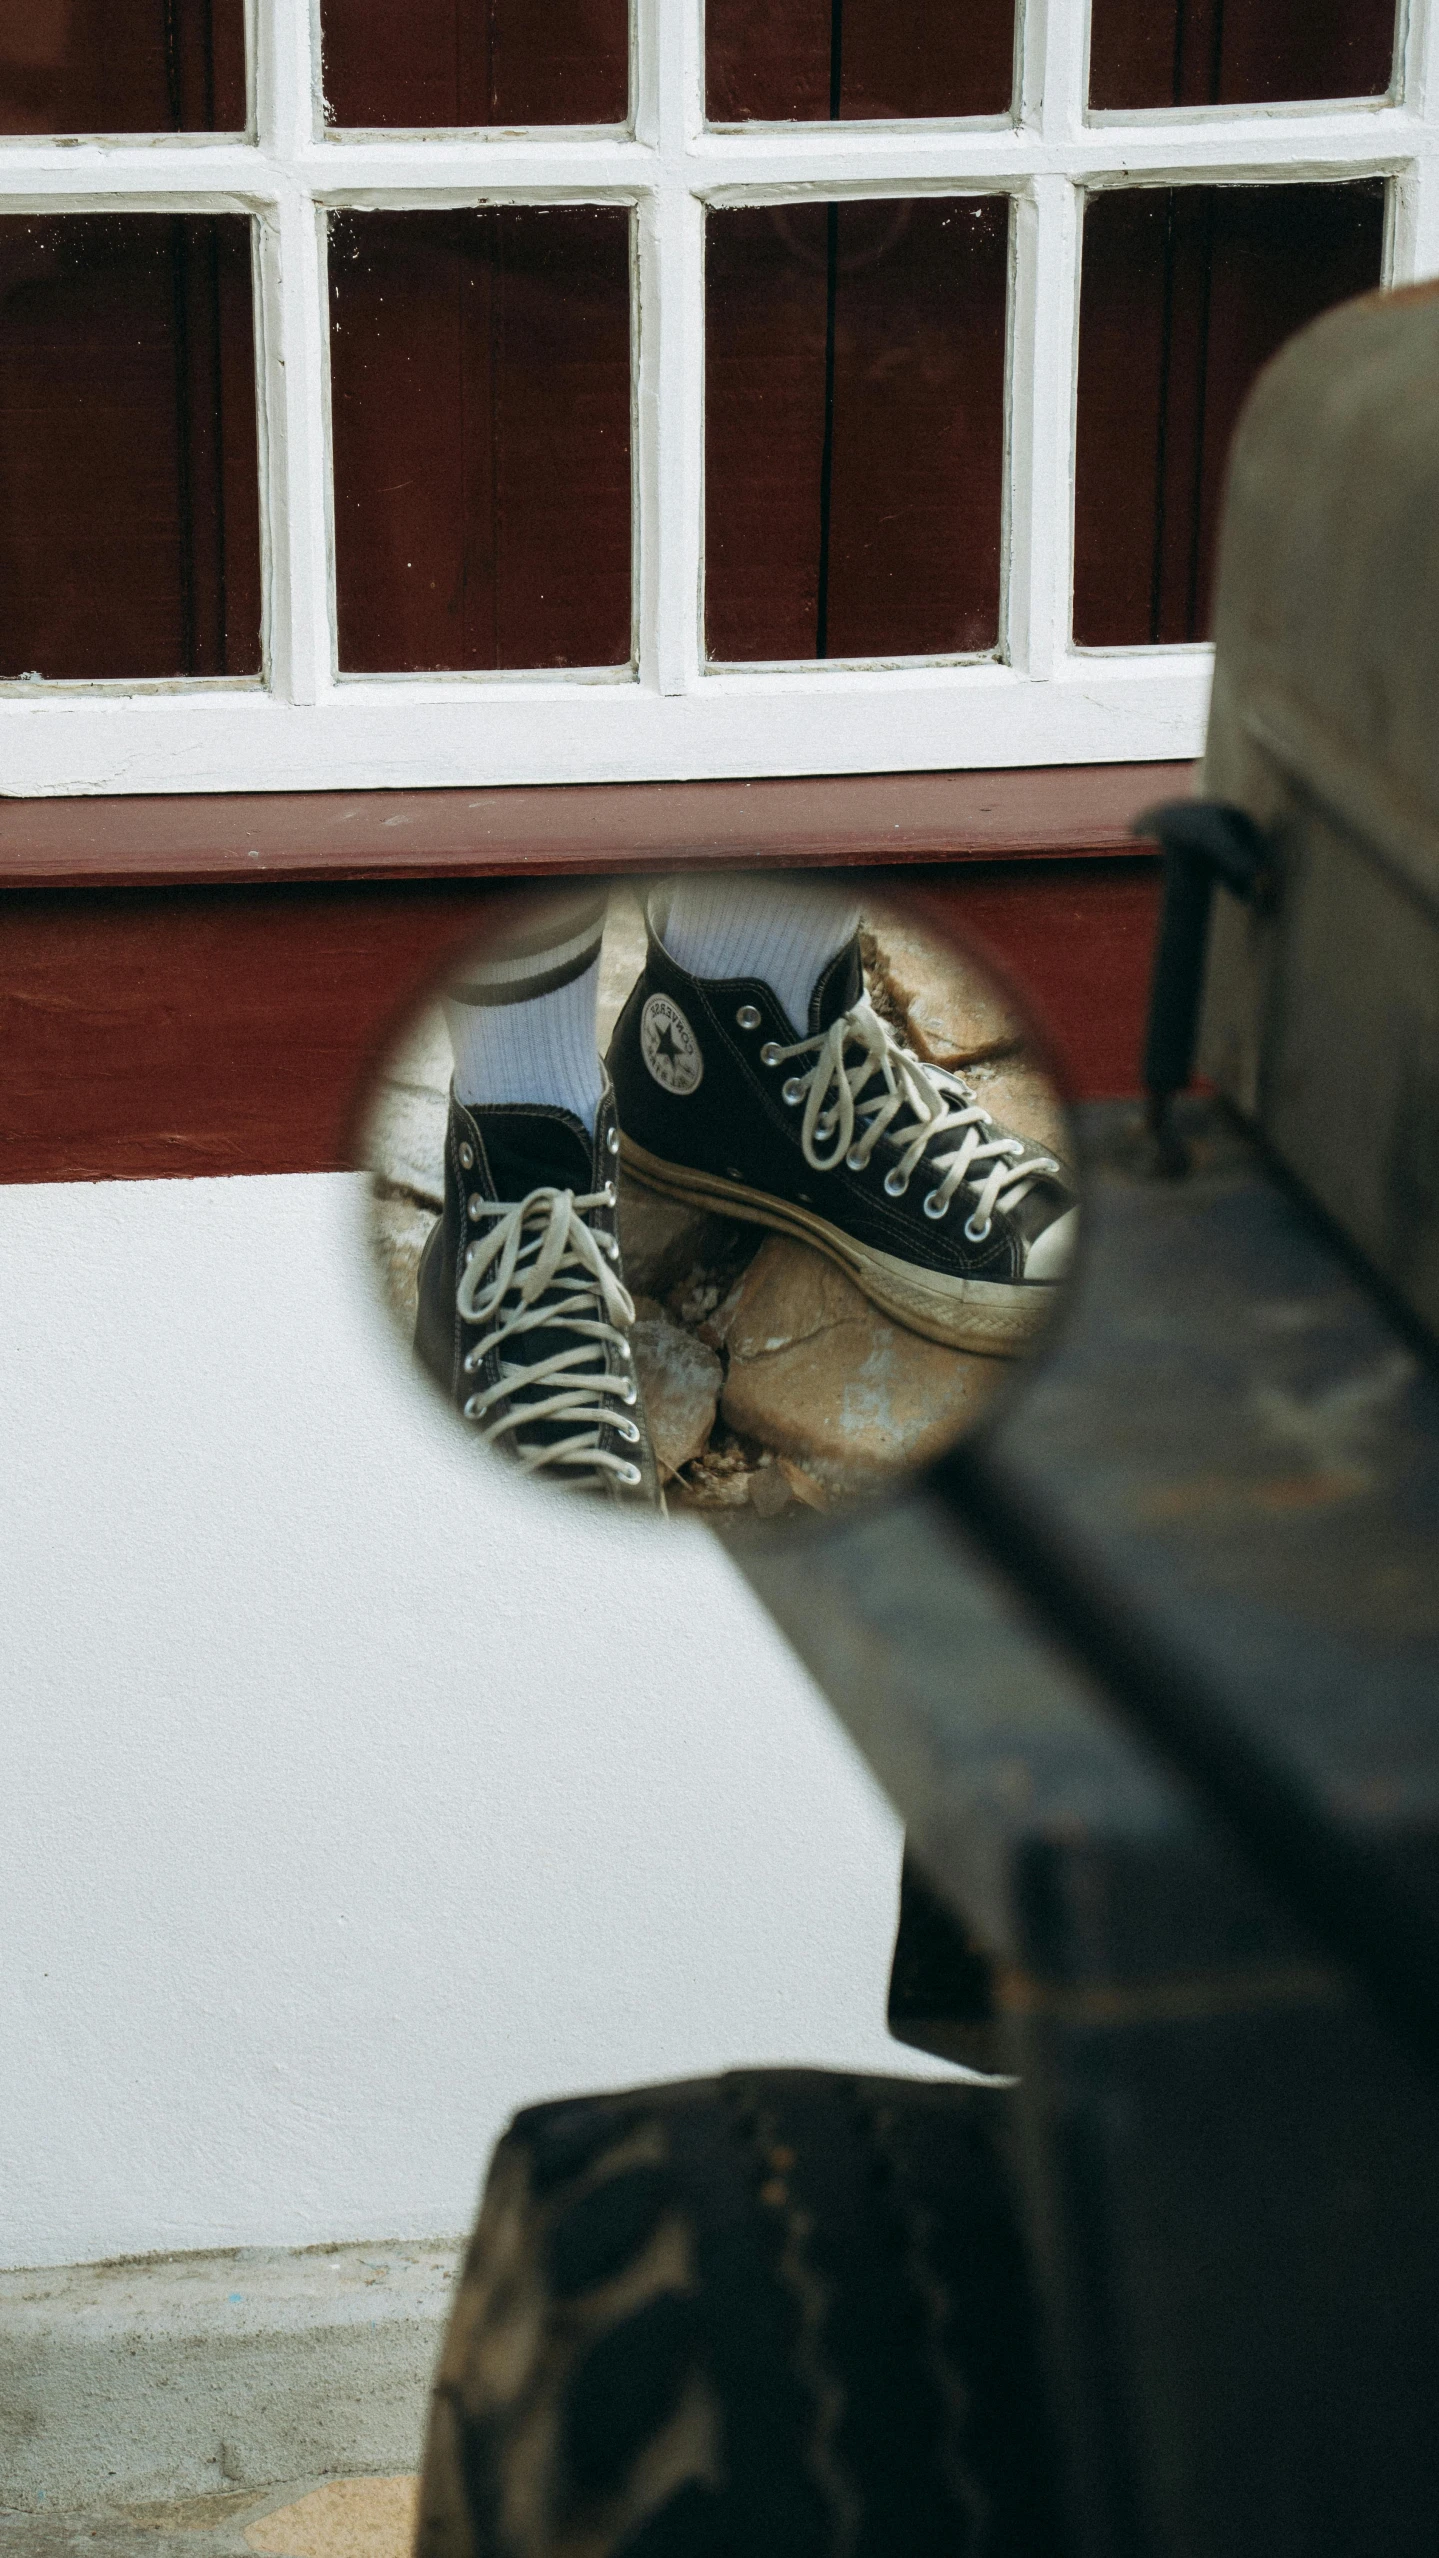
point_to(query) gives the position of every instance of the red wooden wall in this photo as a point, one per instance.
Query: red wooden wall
(1185, 294)
(1173, 53)
(854, 427)
(475, 62)
(777, 60)
(233, 1029)
(480, 393)
(122, 66)
(129, 491)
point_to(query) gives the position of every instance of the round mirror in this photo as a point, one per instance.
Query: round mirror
(721, 1196)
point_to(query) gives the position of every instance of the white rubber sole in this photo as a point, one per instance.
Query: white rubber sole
(1000, 1318)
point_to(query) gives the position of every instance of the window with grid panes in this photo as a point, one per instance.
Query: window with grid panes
(489, 391)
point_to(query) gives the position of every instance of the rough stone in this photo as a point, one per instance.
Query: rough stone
(664, 1241)
(950, 1007)
(769, 1491)
(805, 1487)
(400, 1228)
(718, 1480)
(680, 1380)
(819, 1375)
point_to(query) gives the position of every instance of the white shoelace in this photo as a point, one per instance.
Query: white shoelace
(927, 1101)
(538, 1267)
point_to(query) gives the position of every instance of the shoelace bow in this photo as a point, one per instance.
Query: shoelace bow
(540, 1266)
(998, 1169)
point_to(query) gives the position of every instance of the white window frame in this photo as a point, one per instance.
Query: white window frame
(1042, 701)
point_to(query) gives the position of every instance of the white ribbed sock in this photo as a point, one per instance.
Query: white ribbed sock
(783, 931)
(522, 1024)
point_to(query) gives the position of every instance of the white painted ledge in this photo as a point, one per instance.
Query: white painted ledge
(469, 732)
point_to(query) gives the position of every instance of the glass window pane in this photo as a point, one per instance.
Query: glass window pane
(1186, 292)
(782, 60)
(475, 62)
(854, 427)
(122, 66)
(480, 395)
(129, 497)
(1191, 53)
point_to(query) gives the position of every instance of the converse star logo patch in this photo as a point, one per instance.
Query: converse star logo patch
(669, 1046)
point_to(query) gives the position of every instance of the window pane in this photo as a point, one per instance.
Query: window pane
(122, 66)
(785, 59)
(854, 427)
(476, 62)
(1189, 53)
(480, 392)
(1186, 292)
(129, 499)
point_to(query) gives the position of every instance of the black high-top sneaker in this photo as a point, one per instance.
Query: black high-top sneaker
(523, 1311)
(844, 1139)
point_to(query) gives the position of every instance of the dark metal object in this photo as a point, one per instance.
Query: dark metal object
(1202, 840)
(1152, 1668)
(1212, 1520)
(1252, 1549)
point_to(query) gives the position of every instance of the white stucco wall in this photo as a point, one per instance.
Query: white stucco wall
(351, 1796)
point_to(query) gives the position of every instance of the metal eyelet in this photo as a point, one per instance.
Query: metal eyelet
(609, 1194)
(769, 1054)
(468, 1412)
(475, 1203)
(976, 1233)
(467, 1155)
(793, 1091)
(930, 1209)
(631, 1393)
(629, 1430)
(896, 1182)
(470, 1251)
(612, 1140)
(855, 1163)
(624, 1350)
(631, 1474)
(471, 1362)
(609, 1244)
(747, 1017)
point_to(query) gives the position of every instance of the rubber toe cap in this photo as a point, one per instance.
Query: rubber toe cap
(1048, 1256)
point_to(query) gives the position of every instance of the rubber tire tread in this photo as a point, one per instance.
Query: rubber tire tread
(825, 2269)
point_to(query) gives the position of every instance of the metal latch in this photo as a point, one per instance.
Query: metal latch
(1202, 840)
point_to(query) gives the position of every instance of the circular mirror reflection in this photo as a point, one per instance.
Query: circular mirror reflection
(719, 1197)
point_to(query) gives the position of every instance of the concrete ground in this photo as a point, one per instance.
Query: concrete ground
(325, 2518)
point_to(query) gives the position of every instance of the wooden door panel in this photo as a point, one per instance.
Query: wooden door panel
(1186, 293)
(1182, 53)
(122, 66)
(480, 395)
(129, 492)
